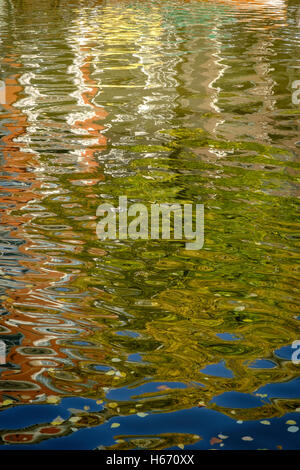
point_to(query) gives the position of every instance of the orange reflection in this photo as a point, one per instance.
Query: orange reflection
(32, 307)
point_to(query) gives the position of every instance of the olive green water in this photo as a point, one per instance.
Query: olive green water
(167, 102)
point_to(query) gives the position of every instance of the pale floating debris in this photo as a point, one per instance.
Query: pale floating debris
(76, 410)
(99, 402)
(142, 415)
(233, 412)
(74, 429)
(221, 436)
(293, 429)
(297, 409)
(290, 421)
(240, 421)
(240, 308)
(115, 359)
(222, 444)
(74, 419)
(266, 422)
(247, 438)
(57, 420)
(53, 399)
(110, 372)
(115, 425)
(181, 446)
(86, 407)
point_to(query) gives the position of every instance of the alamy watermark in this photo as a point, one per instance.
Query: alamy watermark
(296, 93)
(296, 353)
(135, 222)
(2, 92)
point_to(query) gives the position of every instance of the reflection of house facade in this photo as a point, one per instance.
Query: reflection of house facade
(34, 328)
(211, 79)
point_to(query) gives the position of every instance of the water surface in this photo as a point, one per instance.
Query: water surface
(143, 344)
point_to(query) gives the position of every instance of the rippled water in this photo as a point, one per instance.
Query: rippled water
(143, 344)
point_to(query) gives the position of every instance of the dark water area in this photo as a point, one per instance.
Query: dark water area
(142, 344)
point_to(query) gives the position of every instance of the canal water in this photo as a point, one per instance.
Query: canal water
(143, 344)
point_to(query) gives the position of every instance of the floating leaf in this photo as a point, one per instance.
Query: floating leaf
(113, 405)
(115, 425)
(53, 399)
(75, 410)
(266, 422)
(74, 419)
(215, 440)
(247, 438)
(181, 446)
(221, 436)
(293, 429)
(290, 421)
(57, 421)
(142, 415)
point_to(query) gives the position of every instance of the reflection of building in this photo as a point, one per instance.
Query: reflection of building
(211, 79)
(22, 188)
(35, 329)
(85, 123)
